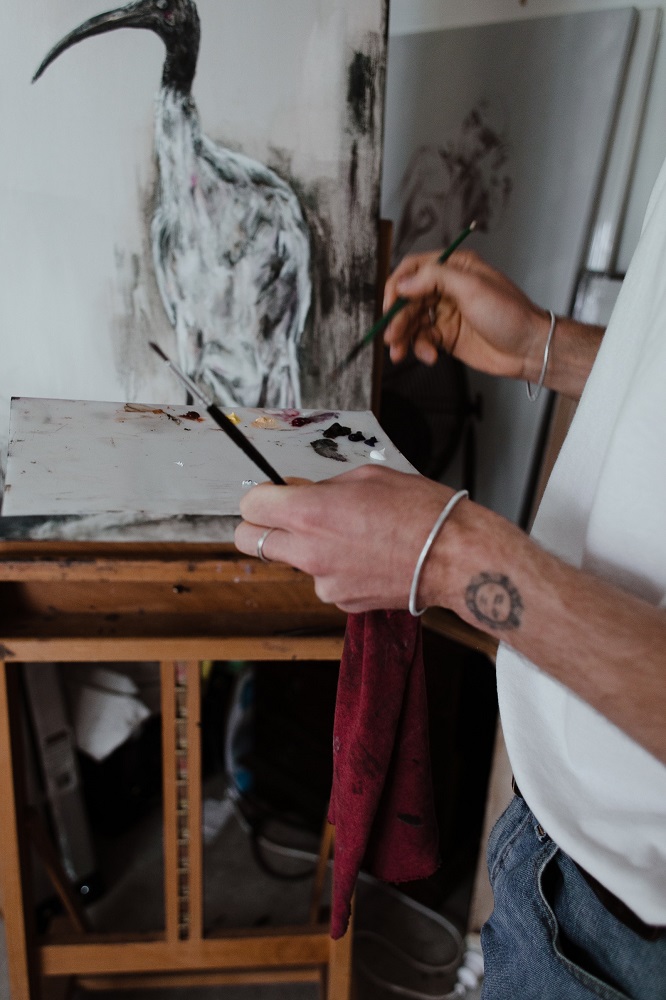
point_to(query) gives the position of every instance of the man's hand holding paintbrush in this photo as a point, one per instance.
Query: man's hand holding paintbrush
(499, 331)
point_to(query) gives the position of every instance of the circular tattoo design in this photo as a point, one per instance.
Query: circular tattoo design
(493, 600)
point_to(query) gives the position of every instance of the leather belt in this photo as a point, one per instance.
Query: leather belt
(615, 906)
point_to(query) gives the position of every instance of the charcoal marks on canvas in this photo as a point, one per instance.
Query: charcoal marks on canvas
(445, 187)
(343, 253)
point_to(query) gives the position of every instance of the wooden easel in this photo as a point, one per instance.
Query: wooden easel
(177, 604)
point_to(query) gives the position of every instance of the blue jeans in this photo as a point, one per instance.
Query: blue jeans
(549, 937)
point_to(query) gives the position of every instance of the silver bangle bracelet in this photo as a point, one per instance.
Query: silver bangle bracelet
(533, 394)
(426, 549)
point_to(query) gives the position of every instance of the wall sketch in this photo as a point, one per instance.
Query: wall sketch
(512, 121)
(445, 187)
(233, 218)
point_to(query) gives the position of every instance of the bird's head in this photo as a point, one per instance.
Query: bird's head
(175, 21)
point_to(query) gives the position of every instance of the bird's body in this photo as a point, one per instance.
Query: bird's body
(230, 245)
(231, 257)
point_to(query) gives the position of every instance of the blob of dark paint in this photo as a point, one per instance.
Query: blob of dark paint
(192, 415)
(356, 436)
(337, 430)
(328, 449)
(371, 442)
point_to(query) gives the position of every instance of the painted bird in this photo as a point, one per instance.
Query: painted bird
(230, 245)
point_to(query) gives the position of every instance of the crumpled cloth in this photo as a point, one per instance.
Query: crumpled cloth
(381, 798)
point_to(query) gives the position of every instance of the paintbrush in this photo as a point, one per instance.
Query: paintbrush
(397, 306)
(222, 420)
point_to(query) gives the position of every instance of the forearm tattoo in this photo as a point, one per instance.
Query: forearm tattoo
(494, 601)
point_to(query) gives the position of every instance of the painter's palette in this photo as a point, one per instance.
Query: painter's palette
(118, 462)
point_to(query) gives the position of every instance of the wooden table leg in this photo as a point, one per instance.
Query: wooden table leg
(339, 980)
(321, 869)
(16, 863)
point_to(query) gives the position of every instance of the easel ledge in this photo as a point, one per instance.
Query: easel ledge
(96, 601)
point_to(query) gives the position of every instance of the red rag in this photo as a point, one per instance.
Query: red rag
(381, 798)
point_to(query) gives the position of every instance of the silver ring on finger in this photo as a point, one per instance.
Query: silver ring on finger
(260, 545)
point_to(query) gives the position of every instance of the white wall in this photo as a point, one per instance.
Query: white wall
(433, 15)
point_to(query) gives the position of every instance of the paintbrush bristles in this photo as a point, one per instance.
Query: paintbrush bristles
(194, 390)
(158, 350)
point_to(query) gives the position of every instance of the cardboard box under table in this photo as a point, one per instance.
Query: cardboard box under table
(116, 544)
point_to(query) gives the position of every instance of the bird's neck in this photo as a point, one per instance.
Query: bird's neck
(179, 68)
(177, 131)
(182, 52)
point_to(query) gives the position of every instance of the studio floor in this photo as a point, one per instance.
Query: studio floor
(396, 939)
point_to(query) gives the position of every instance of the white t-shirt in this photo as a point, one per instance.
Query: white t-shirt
(600, 796)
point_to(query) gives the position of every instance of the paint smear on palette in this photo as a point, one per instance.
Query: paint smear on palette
(140, 408)
(266, 423)
(233, 417)
(328, 449)
(294, 418)
(313, 418)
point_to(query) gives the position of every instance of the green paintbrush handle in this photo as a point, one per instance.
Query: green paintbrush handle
(399, 304)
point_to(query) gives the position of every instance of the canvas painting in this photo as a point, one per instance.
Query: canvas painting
(202, 173)
(508, 124)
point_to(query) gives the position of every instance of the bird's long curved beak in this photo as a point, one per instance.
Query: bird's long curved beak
(140, 14)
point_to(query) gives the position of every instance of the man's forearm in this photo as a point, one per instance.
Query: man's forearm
(573, 351)
(607, 646)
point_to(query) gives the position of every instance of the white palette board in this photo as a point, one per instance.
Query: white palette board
(81, 458)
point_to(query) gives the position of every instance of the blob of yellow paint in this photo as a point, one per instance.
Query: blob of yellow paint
(266, 423)
(233, 417)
